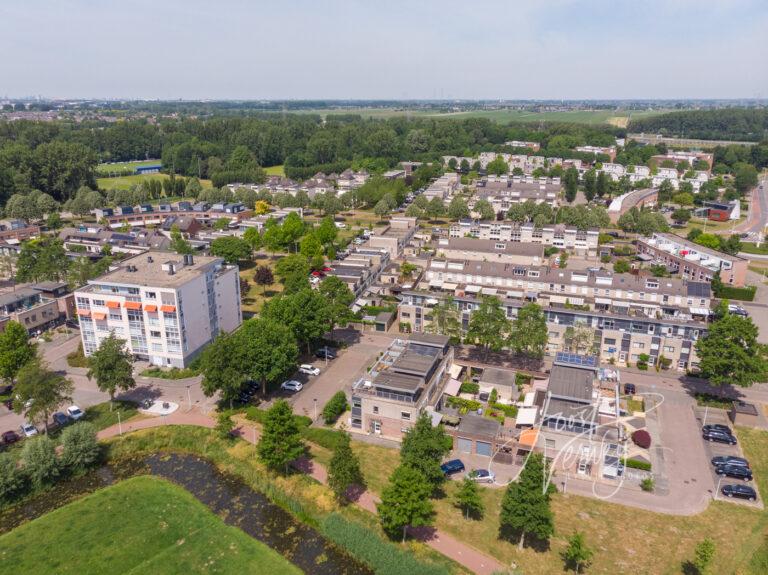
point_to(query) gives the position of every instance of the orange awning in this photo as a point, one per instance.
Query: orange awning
(113, 304)
(99, 316)
(528, 437)
(132, 305)
(150, 308)
(84, 312)
(168, 308)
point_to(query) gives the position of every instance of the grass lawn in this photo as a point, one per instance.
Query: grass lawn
(751, 248)
(707, 226)
(126, 182)
(275, 170)
(256, 296)
(141, 525)
(119, 166)
(625, 540)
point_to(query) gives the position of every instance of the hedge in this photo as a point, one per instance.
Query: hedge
(637, 464)
(468, 387)
(383, 557)
(335, 407)
(738, 293)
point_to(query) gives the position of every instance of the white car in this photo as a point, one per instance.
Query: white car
(28, 429)
(75, 412)
(291, 385)
(308, 369)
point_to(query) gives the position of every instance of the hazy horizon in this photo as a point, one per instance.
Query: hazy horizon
(354, 50)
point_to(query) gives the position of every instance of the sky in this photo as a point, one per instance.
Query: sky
(384, 49)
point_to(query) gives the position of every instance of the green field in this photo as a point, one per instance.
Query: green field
(141, 525)
(126, 182)
(503, 116)
(275, 170)
(120, 166)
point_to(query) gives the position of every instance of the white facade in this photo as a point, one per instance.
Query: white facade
(165, 306)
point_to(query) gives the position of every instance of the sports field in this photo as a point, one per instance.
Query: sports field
(120, 166)
(141, 525)
(126, 182)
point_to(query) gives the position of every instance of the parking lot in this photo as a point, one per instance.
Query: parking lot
(712, 449)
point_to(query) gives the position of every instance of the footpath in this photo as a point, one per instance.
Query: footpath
(460, 552)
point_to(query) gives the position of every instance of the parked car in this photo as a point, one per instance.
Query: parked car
(740, 491)
(326, 352)
(736, 471)
(737, 310)
(719, 437)
(5, 389)
(308, 369)
(481, 475)
(729, 460)
(28, 429)
(10, 437)
(75, 412)
(291, 385)
(452, 467)
(60, 419)
(630, 389)
(717, 427)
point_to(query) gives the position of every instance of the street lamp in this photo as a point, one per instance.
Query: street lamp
(315, 404)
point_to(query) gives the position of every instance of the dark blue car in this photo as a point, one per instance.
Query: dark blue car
(452, 467)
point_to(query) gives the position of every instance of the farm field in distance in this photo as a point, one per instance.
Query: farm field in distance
(141, 525)
(126, 182)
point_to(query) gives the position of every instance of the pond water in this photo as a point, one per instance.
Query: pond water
(227, 496)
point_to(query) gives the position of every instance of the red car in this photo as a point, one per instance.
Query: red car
(10, 437)
(327, 269)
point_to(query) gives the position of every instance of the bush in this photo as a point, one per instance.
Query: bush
(508, 410)
(469, 387)
(173, 373)
(77, 358)
(642, 438)
(738, 293)
(521, 379)
(494, 396)
(335, 407)
(40, 463)
(224, 425)
(648, 484)
(383, 557)
(12, 480)
(637, 464)
(80, 446)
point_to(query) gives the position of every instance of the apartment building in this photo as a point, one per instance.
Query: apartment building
(30, 307)
(692, 261)
(609, 151)
(557, 235)
(443, 187)
(408, 378)
(361, 269)
(166, 307)
(394, 236)
(502, 192)
(628, 315)
(690, 157)
(535, 146)
(148, 215)
(489, 250)
(620, 205)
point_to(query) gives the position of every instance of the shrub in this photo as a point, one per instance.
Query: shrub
(335, 407)
(637, 464)
(647, 484)
(383, 557)
(508, 410)
(224, 425)
(12, 480)
(173, 373)
(40, 463)
(494, 396)
(521, 379)
(642, 438)
(77, 358)
(738, 293)
(470, 387)
(80, 446)
(550, 251)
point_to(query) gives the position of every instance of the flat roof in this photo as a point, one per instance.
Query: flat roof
(17, 295)
(429, 338)
(478, 245)
(398, 382)
(571, 410)
(151, 273)
(416, 360)
(496, 376)
(571, 382)
(478, 425)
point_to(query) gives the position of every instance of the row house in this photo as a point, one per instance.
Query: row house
(349, 180)
(557, 235)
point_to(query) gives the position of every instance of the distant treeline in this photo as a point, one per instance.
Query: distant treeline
(725, 124)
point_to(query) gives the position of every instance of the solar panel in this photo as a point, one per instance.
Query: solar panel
(565, 358)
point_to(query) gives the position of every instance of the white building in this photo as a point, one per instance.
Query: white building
(166, 307)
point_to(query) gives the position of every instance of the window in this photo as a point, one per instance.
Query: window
(116, 316)
(155, 334)
(610, 341)
(669, 349)
(98, 302)
(376, 409)
(405, 415)
(638, 345)
(150, 295)
(500, 246)
(549, 443)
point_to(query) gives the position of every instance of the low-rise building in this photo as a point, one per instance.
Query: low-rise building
(166, 307)
(407, 379)
(693, 261)
(17, 231)
(609, 151)
(557, 235)
(620, 205)
(504, 191)
(31, 308)
(535, 146)
(472, 249)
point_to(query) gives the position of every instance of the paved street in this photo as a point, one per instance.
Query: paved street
(758, 213)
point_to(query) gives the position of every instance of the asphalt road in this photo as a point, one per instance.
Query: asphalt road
(758, 213)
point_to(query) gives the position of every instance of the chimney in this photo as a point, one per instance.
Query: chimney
(149, 259)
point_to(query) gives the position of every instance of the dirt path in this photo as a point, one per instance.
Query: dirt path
(469, 557)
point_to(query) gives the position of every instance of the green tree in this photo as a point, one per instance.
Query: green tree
(280, 441)
(468, 499)
(621, 266)
(602, 185)
(458, 209)
(381, 208)
(221, 369)
(435, 208)
(42, 389)
(224, 425)
(525, 509)
(253, 238)
(263, 276)
(577, 555)
(730, 354)
(42, 259)
(39, 459)
(344, 468)
(745, 177)
(732, 245)
(405, 502)
(445, 319)
(80, 446)
(571, 184)
(307, 313)
(310, 246)
(266, 351)
(339, 297)
(12, 480)
(711, 241)
(498, 166)
(681, 216)
(111, 365)
(666, 190)
(488, 325)
(178, 243)
(703, 555)
(15, 350)
(231, 248)
(529, 334)
(289, 265)
(424, 447)
(485, 210)
(590, 184)
(327, 231)
(683, 199)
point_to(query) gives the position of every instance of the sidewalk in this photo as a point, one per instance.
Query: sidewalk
(452, 548)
